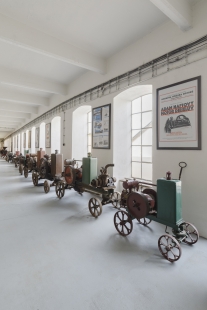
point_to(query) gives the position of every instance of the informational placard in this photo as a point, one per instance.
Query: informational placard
(179, 115)
(48, 135)
(101, 120)
(37, 134)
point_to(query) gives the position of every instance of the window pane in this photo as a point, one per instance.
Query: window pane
(89, 116)
(147, 136)
(136, 137)
(147, 171)
(147, 154)
(89, 139)
(136, 170)
(136, 153)
(136, 121)
(136, 105)
(147, 119)
(89, 127)
(147, 103)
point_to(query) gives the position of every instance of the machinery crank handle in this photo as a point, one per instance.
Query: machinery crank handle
(182, 165)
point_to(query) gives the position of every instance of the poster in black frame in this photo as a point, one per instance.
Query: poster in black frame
(179, 115)
(101, 127)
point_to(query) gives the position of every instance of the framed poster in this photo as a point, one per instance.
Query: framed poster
(29, 139)
(101, 127)
(24, 144)
(37, 134)
(48, 135)
(179, 115)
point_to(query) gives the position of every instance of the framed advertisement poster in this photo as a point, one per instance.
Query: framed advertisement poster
(101, 127)
(37, 134)
(179, 115)
(29, 139)
(48, 135)
(24, 144)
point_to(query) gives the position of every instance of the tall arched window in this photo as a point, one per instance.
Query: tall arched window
(56, 134)
(42, 136)
(80, 132)
(131, 127)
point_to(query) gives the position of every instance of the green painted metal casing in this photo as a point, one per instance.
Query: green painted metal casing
(169, 203)
(89, 169)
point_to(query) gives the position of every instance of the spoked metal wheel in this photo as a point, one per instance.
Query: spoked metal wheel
(116, 198)
(60, 189)
(46, 187)
(169, 247)
(35, 178)
(191, 231)
(26, 172)
(144, 221)
(123, 223)
(21, 169)
(95, 207)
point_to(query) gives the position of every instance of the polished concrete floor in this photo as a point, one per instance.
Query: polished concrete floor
(55, 256)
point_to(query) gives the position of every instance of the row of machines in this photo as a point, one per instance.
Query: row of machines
(141, 201)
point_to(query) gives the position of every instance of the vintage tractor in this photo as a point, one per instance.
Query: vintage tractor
(163, 206)
(43, 166)
(3, 151)
(85, 179)
(30, 164)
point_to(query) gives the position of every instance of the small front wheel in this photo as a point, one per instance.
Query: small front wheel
(116, 198)
(169, 248)
(46, 187)
(35, 178)
(144, 221)
(95, 207)
(123, 223)
(26, 172)
(60, 189)
(191, 231)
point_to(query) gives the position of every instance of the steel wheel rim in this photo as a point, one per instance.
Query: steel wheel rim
(144, 221)
(60, 190)
(169, 248)
(192, 233)
(95, 207)
(123, 223)
(46, 187)
(116, 198)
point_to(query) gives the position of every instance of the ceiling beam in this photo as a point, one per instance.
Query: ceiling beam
(179, 11)
(11, 119)
(17, 107)
(16, 78)
(21, 35)
(9, 114)
(15, 96)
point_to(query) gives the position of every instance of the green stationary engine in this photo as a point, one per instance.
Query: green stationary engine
(163, 206)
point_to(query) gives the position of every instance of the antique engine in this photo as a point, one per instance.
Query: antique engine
(71, 172)
(104, 179)
(45, 166)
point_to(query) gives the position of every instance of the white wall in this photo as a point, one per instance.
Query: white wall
(79, 132)
(160, 41)
(55, 134)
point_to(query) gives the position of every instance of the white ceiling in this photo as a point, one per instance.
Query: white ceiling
(39, 38)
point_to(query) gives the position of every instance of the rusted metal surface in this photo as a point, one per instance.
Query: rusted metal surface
(139, 204)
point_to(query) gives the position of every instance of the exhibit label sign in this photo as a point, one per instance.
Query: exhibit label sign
(179, 115)
(101, 118)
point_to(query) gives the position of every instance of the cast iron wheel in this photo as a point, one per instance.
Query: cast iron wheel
(35, 178)
(116, 199)
(21, 169)
(60, 189)
(169, 248)
(46, 187)
(15, 165)
(95, 207)
(123, 223)
(144, 221)
(191, 231)
(26, 172)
